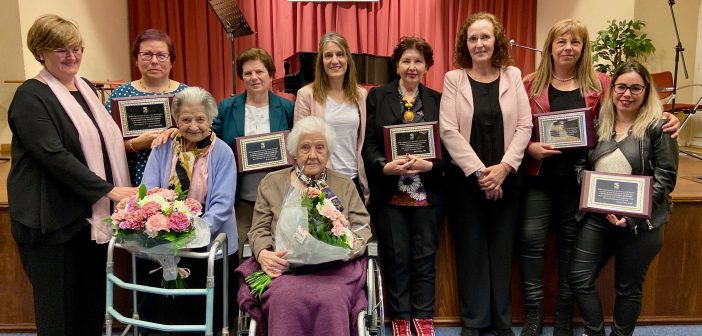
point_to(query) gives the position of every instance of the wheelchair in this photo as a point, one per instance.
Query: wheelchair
(370, 321)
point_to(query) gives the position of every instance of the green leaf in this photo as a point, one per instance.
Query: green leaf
(142, 191)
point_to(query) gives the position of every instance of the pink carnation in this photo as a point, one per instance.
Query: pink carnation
(157, 223)
(123, 203)
(150, 208)
(131, 205)
(329, 211)
(194, 206)
(338, 228)
(119, 216)
(179, 222)
(134, 221)
(169, 195)
(313, 192)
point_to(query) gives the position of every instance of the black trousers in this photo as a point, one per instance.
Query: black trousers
(483, 232)
(187, 309)
(407, 239)
(596, 243)
(68, 284)
(548, 202)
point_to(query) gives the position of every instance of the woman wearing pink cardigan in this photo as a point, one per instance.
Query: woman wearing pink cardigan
(336, 97)
(485, 124)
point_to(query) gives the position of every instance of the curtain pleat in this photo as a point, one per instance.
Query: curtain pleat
(284, 28)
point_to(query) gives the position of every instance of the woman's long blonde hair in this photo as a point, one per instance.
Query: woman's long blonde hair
(649, 112)
(321, 80)
(585, 74)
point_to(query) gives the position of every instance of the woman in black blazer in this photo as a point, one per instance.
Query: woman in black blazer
(68, 162)
(406, 196)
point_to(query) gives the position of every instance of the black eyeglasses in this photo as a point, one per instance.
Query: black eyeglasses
(147, 56)
(635, 89)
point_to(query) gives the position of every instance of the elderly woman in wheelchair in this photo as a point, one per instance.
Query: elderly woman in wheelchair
(311, 298)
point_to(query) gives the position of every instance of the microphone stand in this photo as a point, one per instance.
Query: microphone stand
(513, 44)
(678, 55)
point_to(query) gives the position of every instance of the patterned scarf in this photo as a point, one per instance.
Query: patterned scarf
(190, 168)
(321, 184)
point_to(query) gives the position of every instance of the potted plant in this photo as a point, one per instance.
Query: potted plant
(619, 43)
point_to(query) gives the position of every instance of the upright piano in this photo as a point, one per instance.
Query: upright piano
(371, 70)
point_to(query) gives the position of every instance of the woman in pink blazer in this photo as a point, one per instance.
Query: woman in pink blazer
(485, 124)
(335, 96)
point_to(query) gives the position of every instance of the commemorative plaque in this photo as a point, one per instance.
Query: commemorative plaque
(618, 194)
(566, 129)
(262, 152)
(136, 115)
(418, 139)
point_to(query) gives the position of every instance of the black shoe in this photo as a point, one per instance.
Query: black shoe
(469, 332)
(503, 332)
(534, 320)
(564, 323)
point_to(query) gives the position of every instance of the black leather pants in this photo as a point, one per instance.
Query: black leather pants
(596, 243)
(546, 202)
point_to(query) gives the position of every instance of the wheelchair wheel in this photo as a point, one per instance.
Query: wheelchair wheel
(375, 313)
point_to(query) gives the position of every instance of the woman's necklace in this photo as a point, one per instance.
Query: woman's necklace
(562, 79)
(408, 115)
(158, 91)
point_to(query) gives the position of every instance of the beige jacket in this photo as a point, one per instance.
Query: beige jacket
(456, 118)
(305, 105)
(271, 193)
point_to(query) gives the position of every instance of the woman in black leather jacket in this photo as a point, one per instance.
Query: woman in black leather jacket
(630, 141)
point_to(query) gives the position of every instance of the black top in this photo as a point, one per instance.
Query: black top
(487, 133)
(383, 108)
(563, 165)
(50, 188)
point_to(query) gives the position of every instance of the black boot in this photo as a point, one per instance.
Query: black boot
(534, 319)
(564, 322)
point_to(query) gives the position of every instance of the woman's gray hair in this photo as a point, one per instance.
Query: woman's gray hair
(311, 125)
(194, 95)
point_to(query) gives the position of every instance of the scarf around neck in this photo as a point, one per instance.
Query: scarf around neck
(321, 184)
(190, 168)
(91, 145)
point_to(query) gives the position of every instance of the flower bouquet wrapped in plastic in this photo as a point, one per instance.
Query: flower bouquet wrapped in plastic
(312, 229)
(155, 224)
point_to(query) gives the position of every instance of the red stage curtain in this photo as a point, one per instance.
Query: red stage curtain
(283, 28)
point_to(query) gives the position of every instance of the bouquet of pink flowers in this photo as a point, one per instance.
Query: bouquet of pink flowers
(326, 222)
(157, 223)
(312, 229)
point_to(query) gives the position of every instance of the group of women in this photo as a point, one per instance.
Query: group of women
(70, 161)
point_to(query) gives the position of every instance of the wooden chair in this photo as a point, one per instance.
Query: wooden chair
(664, 85)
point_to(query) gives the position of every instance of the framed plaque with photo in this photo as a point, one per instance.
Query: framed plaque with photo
(136, 115)
(618, 194)
(418, 139)
(566, 129)
(262, 152)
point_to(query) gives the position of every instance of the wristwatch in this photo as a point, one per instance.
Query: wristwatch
(478, 173)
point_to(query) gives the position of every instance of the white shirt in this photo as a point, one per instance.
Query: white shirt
(614, 162)
(256, 121)
(345, 119)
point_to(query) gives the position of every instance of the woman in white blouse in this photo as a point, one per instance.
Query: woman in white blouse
(256, 111)
(336, 97)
